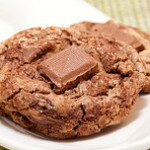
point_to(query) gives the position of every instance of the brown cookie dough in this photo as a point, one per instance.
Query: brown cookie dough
(94, 99)
(122, 34)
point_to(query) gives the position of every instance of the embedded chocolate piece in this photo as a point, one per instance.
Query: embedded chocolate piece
(31, 54)
(68, 67)
(34, 52)
(120, 36)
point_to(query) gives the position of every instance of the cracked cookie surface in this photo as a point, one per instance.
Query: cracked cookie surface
(123, 34)
(101, 100)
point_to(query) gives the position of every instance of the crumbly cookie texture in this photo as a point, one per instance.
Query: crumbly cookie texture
(122, 34)
(101, 100)
(144, 55)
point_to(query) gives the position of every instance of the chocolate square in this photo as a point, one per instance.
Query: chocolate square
(116, 32)
(68, 67)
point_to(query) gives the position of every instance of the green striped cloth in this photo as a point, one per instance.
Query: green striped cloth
(131, 12)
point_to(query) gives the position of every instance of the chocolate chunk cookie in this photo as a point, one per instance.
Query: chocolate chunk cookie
(123, 34)
(66, 83)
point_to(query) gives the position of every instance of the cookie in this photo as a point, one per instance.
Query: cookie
(144, 55)
(66, 83)
(123, 34)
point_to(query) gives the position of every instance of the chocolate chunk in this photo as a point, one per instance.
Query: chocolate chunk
(68, 67)
(32, 53)
(113, 30)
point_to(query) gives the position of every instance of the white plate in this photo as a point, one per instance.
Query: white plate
(16, 15)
